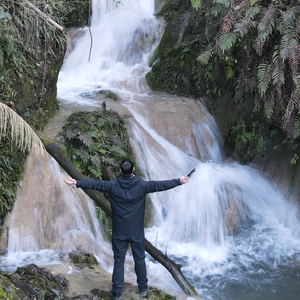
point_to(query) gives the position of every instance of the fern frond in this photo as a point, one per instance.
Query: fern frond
(205, 56)
(296, 81)
(226, 3)
(227, 40)
(82, 154)
(252, 12)
(243, 26)
(294, 58)
(228, 65)
(264, 78)
(269, 107)
(291, 15)
(95, 171)
(296, 128)
(294, 103)
(267, 23)
(21, 133)
(278, 72)
(85, 139)
(216, 9)
(289, 39)
(95, 160)
(117, 150)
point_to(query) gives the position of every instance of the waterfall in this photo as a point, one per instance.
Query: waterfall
(121, 38)
(49, 218)
(231, 228)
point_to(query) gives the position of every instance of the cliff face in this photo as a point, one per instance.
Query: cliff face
(248, 136)
(32, 52)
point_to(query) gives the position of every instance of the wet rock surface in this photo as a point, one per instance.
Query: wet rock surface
(33, 282)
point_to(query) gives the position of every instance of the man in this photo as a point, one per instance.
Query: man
(127, 197)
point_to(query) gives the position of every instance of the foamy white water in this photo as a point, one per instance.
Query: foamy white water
(50, 219)
(191, 223)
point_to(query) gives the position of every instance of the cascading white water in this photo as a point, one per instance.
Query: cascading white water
(49, 219)
(121, 37)
(192, 223)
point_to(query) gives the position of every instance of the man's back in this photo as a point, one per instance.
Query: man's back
(127, 197)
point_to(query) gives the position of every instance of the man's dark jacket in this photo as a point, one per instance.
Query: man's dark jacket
(127, 197)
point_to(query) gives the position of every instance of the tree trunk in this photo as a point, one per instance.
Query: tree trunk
(60, 156)
(45, 17)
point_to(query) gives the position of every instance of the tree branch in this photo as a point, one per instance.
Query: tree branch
(45, 17)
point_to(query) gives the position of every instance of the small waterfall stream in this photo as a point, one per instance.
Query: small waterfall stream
(232, 230)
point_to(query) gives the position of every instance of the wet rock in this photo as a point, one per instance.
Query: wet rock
(110, 173)
(237, 212)
(109, 94)
(32, 282)
(79, 257)
(83, 297)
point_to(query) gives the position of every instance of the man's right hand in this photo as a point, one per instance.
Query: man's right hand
(184, 179)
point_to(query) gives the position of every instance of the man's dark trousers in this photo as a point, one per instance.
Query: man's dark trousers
(120, 245)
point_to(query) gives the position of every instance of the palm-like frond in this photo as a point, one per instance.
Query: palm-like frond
(228, 64)
(269, 106)
(205, 56)
(289, 40)
(294, 59)
(21, 133)
(278, 72)
(243, 26)
(296, 128)
(252, 12)
(264, 78)
(291, 15)
(227, 40)
(267, 23)
(226, 3)
(294, 103)
(217, 9)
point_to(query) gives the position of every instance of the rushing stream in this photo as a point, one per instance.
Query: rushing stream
(194, 223)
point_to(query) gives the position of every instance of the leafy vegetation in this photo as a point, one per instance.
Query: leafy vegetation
(31, 52)
(29, 48)
(97, 142)
(252, 139)
(258, 45)
(12, 164)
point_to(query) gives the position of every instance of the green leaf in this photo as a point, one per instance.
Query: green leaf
(227, 40)
(296, 128)
(226, 3)
(196, 4)
(252, 11)
(289, 40)
(267, 23)
(85, 139)
(205, 56)
(264, 78)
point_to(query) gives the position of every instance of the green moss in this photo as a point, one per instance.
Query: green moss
(97, 142)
